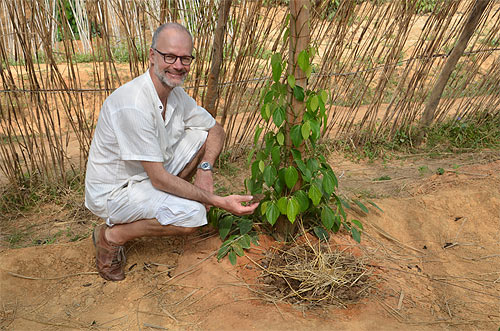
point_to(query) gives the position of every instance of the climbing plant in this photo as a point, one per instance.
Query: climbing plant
(296, 180)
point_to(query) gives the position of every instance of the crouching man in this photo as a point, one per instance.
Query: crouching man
(150, 140)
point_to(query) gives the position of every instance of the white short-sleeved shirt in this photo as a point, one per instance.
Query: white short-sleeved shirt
(130, 129)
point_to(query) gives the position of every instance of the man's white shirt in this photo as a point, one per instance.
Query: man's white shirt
(131, 129)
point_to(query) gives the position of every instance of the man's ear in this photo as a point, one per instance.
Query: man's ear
(151, 54)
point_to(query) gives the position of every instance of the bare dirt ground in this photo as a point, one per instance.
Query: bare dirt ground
(434, 253)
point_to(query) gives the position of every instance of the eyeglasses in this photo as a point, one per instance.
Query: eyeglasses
(171, 58)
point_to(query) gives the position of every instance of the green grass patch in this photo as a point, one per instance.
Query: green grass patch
(48, 240)
(422, 170)
(382, 178)
(32, 191)
(17, 238)
(453, 135)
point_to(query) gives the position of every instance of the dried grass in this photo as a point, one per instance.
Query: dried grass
(315, 275)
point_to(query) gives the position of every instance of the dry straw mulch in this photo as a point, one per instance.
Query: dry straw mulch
(315, 274)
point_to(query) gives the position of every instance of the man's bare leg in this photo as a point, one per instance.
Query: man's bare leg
(190, 169)
(121, 233)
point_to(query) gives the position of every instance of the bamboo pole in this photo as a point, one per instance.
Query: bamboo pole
(163, 11)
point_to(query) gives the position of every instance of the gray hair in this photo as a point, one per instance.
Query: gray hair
(170, 25)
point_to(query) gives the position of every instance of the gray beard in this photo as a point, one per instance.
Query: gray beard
(163, 78)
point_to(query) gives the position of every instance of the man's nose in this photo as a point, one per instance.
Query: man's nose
(178, 64)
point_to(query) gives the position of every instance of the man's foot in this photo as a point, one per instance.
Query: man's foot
(109, 258)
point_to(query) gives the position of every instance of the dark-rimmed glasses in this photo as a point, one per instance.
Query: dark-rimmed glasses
(171, 58)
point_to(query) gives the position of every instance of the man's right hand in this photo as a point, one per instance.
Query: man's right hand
(233, 204)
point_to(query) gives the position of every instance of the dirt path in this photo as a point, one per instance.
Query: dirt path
(435, 251)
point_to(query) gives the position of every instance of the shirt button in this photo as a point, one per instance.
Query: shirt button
(161, 107)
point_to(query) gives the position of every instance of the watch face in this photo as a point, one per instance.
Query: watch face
(205, 166)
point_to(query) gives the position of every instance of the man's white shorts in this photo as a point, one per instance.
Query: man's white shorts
(138, 199)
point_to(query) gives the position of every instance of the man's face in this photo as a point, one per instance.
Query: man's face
(176, 43)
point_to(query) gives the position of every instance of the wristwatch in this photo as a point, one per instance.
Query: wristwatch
(205, 166)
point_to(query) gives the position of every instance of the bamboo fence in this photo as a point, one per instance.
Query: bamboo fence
(378, 61)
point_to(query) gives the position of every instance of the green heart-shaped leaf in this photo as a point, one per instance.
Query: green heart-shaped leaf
(291, 176)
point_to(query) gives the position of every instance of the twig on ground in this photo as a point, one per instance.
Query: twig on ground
(167, 314)
(458, 172)
(389, 180)
(446, 246)
(53, 324)
(185, 298)
(481, 257)
(199, 299)
(391, 238)
(391, 311)
(180, 285)
(460, 230)
(205, 237)
(112, 320)
(214, 289)
(7, 312)
(248, 257)
(209, 309)
(400, 302)
(278, 309)
(163, 265)
(147, 325)
(52, 278)
(386, 250)
(448, 308)
(453, 323)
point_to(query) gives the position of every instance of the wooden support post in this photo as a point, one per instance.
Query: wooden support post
(299, 40)
(217, 56)
(456, 53)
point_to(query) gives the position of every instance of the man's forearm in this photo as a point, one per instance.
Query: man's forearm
(162, 180)
(178, 186)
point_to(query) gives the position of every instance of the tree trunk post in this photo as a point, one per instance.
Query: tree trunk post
(299, 41)
(217, 56)
(456, 53)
